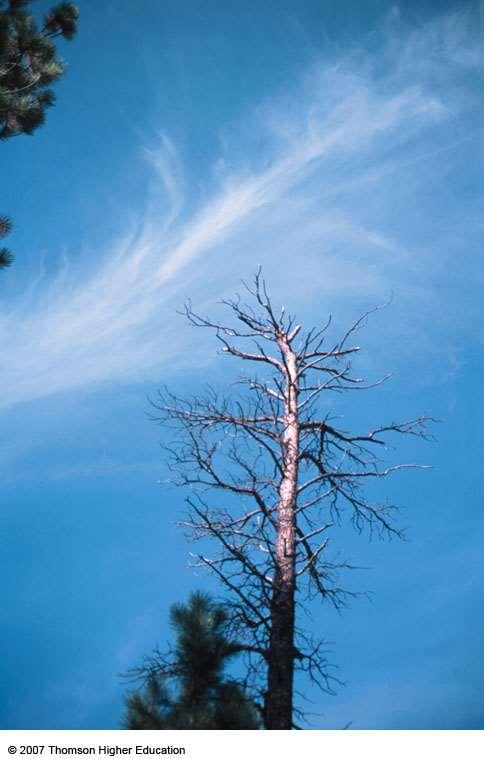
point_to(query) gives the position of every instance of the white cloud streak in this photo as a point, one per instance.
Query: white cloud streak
(339, 148)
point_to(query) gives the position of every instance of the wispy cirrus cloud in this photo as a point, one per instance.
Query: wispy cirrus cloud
(348, 156)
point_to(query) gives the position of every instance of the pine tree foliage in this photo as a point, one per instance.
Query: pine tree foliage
(186, 688)
(5, 254)
(29, 63)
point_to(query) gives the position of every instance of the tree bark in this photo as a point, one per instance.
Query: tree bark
(279, 706)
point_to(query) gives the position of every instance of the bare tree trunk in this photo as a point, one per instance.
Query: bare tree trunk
(279, 706)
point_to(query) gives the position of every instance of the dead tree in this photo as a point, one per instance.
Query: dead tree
(269, 478)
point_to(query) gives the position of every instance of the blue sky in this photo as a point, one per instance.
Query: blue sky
(341, 147)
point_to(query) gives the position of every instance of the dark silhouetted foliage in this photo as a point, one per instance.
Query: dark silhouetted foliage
(5, 255)
(29, 65)
(186, 688)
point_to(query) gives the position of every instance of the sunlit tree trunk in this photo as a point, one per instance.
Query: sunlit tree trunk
(279, 706)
